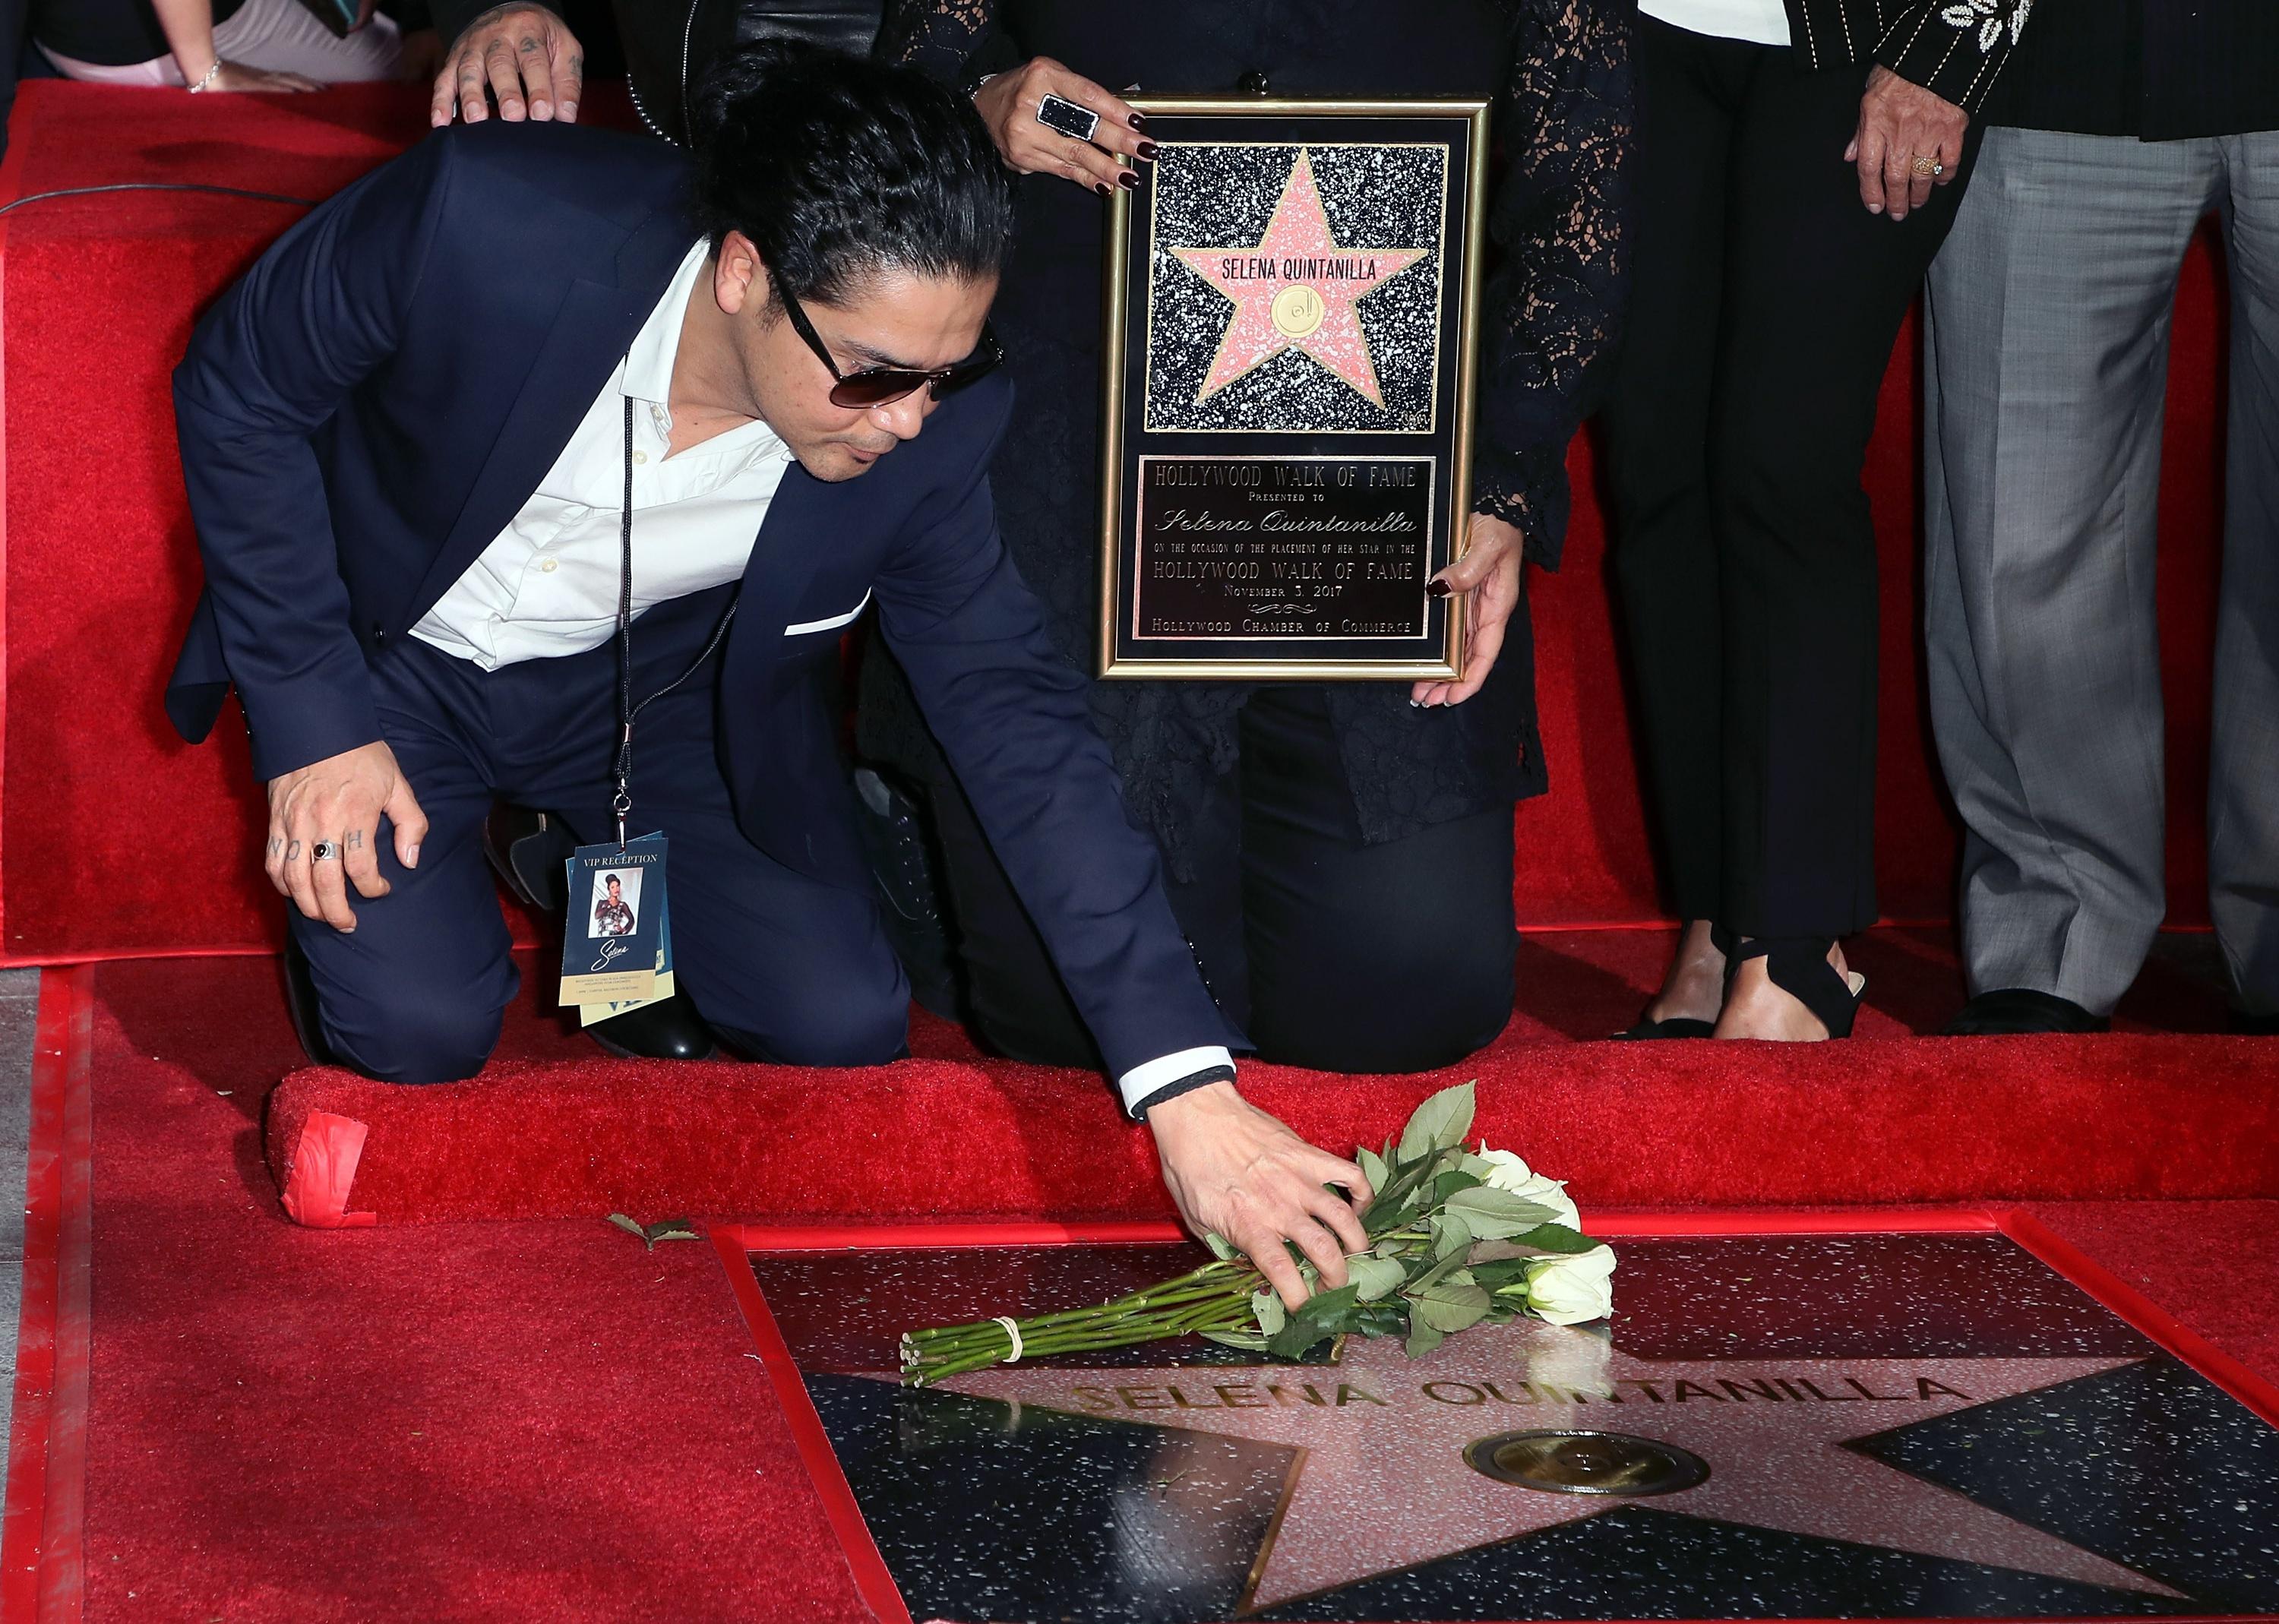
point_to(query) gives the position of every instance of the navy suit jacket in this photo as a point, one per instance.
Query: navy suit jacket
(366, 412)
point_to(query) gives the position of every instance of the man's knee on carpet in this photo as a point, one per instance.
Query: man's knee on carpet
(861, 1018)
(406, 1032)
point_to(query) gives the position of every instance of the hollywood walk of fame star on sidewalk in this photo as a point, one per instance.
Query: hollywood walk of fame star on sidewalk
(1314, 314)
(1384, 1485)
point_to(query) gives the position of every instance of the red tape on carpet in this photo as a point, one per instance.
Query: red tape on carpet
(321, 1170)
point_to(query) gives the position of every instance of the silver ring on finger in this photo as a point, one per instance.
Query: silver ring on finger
(325, 851)
(1057, 112)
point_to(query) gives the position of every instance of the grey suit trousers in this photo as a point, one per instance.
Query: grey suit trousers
(2046, 347)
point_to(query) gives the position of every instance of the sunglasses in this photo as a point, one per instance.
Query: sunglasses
(876, 385)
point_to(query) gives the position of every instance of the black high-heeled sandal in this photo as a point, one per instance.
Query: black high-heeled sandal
(1799, 966)
(1646, 1030)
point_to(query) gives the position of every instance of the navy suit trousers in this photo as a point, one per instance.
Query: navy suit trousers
(783, 967)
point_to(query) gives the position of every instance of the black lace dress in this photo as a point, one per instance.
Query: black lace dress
(1561, 70)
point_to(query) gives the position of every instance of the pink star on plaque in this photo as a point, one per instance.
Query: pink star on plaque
(1295, 288)
(1384, 1483)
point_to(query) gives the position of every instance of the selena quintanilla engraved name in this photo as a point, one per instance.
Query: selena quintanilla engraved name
(1253, 268)
(1393, 522)
(1724, 1391)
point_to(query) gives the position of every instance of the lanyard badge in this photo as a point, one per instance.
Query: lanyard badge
(617, 946)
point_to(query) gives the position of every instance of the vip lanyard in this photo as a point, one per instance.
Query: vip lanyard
(622, 803)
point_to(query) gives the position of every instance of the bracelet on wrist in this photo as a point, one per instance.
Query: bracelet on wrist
(205, 79)
(1188, 1085)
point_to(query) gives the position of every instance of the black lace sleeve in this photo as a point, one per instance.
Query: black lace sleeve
(947, 39)
(1553, 307)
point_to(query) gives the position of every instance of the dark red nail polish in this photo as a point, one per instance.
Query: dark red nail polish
(1438, 588)
(1101, 187)
(1147, 151)
(1128, 180)
(1138, 123)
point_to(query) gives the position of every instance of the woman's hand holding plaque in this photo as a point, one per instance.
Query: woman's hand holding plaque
(1487, 579)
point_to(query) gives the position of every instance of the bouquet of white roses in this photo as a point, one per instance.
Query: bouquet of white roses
(1458, 1236)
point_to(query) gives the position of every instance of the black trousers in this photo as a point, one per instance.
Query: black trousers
(1330, 953)
(784, 968)
(1764, 303)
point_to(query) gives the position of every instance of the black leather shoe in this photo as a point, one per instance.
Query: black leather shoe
(899, 846)
(1676, 1026)
(671, 1029)
(2008, 1011)
(528, 849)
(301, 1003)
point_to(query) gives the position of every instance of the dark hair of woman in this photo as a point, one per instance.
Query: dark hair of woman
(839, 168)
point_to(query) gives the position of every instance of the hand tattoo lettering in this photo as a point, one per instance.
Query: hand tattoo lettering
(292, 851)
(276, 846)
(355, 839)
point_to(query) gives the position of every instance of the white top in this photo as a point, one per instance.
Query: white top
(548, 586)
(1762, 22)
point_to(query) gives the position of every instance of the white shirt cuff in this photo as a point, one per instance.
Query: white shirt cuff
(1141, 1081)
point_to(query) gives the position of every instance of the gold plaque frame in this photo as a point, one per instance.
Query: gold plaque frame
(1448, 442)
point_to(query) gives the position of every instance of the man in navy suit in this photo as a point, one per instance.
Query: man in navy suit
(425, 434)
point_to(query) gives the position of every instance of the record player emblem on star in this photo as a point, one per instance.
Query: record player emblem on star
(1296, 288)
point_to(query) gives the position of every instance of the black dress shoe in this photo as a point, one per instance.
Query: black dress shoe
(2009, 1010)
(669, 1030)
(301, 1003)
(529, 849)
(1677, 1026)
(899, 842)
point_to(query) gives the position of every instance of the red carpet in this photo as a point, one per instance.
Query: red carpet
(553, 1130)
(1909, 1121)
(527, 1421)
(99, 295)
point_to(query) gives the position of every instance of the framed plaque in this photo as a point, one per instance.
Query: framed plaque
(1291, 296)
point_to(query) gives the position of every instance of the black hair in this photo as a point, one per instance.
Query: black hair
(839, 168)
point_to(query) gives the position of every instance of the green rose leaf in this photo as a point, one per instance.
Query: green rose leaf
(1266, 1306)
(1496, 1214)
(1376, 1278)
(1451, 1307)
(1555, 1237)
(1439, 1122)
(1373, 1168)
(1222, 1250)
(1325, 1307)
(1422, 1339)
(1294, 1340)
(1496, 1273)
(1450, 1234)
(1448, 1183)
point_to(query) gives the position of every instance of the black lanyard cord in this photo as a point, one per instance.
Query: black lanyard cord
(622, 803)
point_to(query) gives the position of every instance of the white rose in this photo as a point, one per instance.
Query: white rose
(1508, 1172)
(1570, 1289)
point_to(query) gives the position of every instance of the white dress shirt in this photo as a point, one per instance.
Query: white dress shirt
(548, 585)
(1762, 22)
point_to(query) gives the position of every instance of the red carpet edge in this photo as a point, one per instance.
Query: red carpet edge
(1653, 1125)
